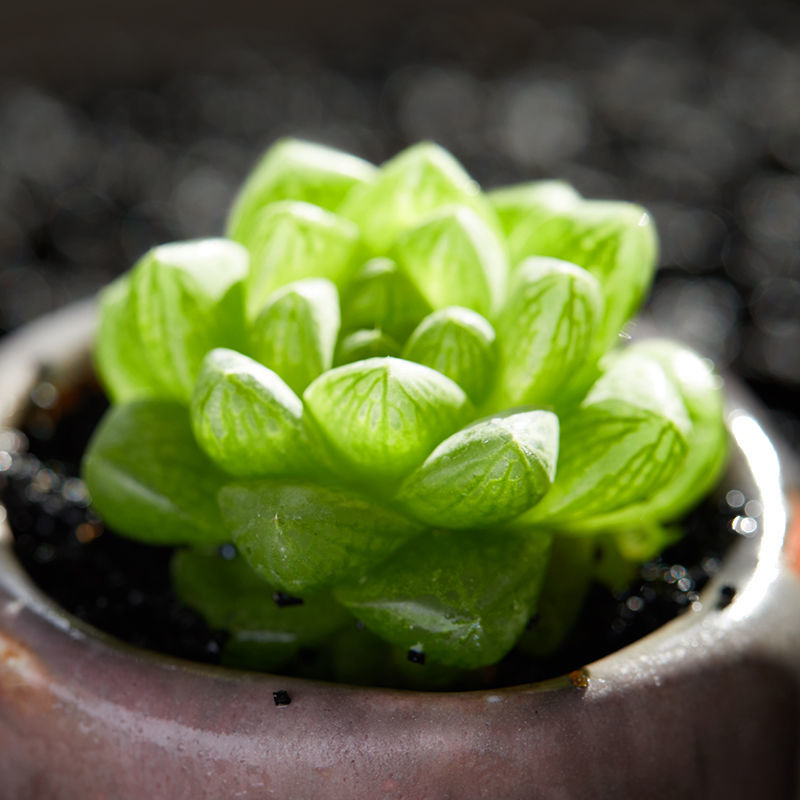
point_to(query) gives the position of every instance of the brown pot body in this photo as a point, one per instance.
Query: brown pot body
(705, 707)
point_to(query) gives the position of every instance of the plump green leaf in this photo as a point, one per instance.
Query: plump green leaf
(119, 356)
(487, 473)
(454, 258)
(565, 586)
(407, 188)
(231, 596)
(148, 478)
(361, 345)
(384, 415)
(459, 598)
(700, 390)
(622, 444)
(545, 331)
(182, 300)
(296, 170)
(291, 241)
(459, 343)
(614, 241)
(530, 204)
(382, 297)
(248, 421)
(295, 333)
(301, 537)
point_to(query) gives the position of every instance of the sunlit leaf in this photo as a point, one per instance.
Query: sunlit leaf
(248, 421)
(624, 442)
(545, 332)
(119, 355)
(701, 392)
(459, 598)
(148, 478)
(291, 241)
(529, 204)
(459, 343)
(454, 258)
(384, 415)
(487, 473)
(614, 241)
(184, 299)
(301, 537)
(407, 188)
(296, 170)
(295, 333)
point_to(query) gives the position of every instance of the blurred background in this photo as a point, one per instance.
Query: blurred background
(124, 125)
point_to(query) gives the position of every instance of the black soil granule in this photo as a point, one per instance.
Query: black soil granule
(281, 697)
(123, 587)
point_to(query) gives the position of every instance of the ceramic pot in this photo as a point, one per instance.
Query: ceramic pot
(706, 706)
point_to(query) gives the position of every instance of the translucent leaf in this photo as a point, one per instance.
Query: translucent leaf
(183, 299)
(460, 344)
(361, 345)
(295, 333)
(384, 415)
(486, 473)
(291, 241)
(460, 598)
(454, 258)
(232, 597)
(407, 188)
(528, 204)
(622, 444)
(119, 356)
(382, 297)
(148, 478)
(614, 241)
(296, 170)
(301, 537)
(545, 331)
(565, 586)
(248, 421)
(701, 392)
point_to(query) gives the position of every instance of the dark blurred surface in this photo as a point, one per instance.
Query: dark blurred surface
(122, 126)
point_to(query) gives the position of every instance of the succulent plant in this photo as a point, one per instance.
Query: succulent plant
(403, 400)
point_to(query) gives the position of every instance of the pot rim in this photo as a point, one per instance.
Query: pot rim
(56, 348)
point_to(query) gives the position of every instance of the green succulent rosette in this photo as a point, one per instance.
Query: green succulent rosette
(404, 401)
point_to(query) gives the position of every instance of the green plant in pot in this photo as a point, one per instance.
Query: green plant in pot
(405, 402)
